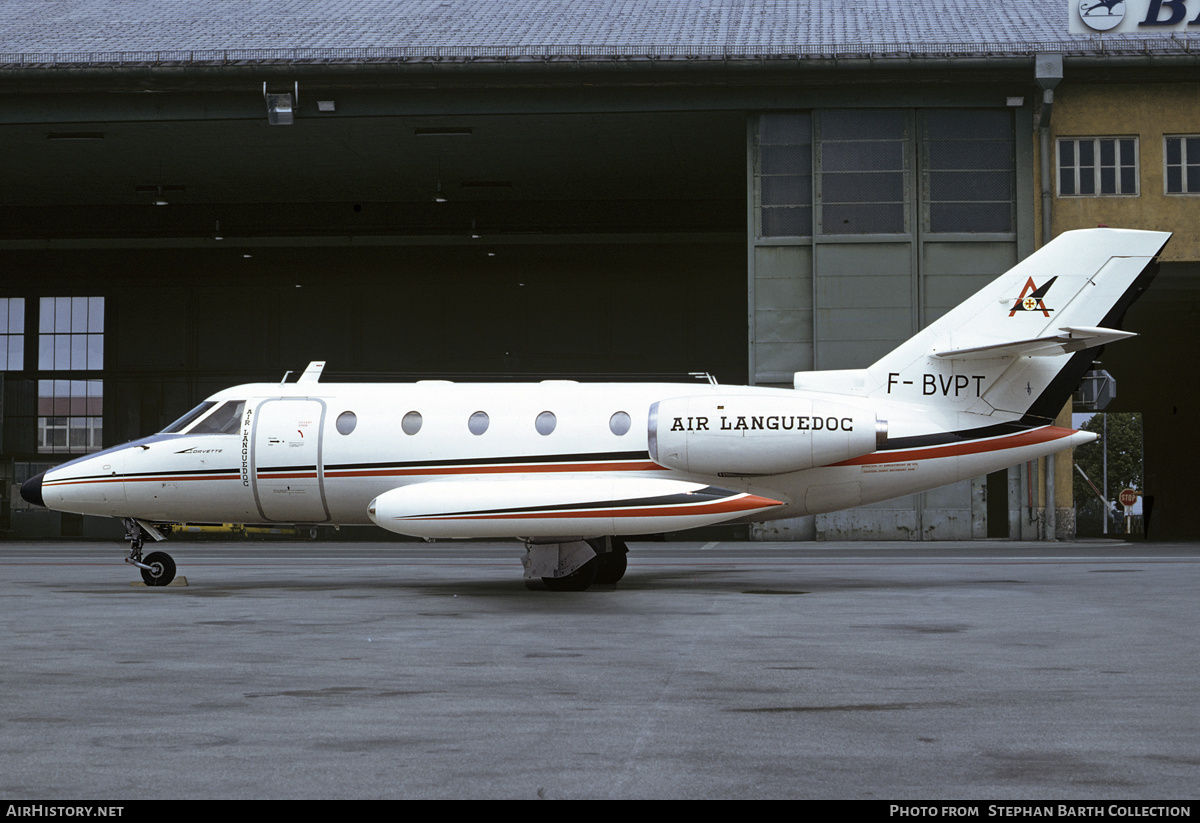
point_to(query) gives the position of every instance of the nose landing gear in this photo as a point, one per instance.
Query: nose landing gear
(158, 568)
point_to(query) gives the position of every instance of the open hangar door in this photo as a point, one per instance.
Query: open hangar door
(1155, 377)
(461, 246)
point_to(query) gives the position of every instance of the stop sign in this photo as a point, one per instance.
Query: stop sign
(1128, 497)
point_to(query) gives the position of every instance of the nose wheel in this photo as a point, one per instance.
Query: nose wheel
(158, 568)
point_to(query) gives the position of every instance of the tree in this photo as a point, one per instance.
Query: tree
(1124, 465)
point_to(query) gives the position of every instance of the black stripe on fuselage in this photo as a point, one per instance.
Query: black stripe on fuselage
(600, 457)
(961, 436)
(142, 475)
(533, 459)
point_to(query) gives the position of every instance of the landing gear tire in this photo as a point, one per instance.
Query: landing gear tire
(577, 581)
(161, 571)
(611, 566)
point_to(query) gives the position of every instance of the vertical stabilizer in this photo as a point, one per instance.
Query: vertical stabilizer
(1019, 346)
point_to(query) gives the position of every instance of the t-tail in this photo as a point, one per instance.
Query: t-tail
(1017, 349)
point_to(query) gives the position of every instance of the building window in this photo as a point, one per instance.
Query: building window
(1182, 157)
(70, 338)
(1097, 166)
(12, 333)
(70, 415)
(783, 175)
(71, 334)
(969, 169)
(862, 164)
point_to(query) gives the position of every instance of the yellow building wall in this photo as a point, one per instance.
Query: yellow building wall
(1145, 111)
(1148, 112)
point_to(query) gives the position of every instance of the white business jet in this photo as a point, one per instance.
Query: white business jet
(572, 468)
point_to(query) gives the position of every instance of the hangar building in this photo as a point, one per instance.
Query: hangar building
(199, 195)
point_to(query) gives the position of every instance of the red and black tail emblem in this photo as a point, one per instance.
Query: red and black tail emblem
(1031, 298)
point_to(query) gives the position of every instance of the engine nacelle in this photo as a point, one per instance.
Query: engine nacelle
(759, 435)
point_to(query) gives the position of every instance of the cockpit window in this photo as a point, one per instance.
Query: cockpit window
(185, 421)
(224, 420)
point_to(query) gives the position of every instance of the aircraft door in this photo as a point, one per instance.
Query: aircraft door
(286, 463)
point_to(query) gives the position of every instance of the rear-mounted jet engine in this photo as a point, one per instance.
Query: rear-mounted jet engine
(727, 435)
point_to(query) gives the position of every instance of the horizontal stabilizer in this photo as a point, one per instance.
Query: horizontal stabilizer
(1070, 339)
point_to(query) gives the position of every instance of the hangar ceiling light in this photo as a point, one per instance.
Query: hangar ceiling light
(438, 196)
(159, 192)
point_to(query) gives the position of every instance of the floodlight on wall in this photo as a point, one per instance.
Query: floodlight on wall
(1095, 392)
(281, 107)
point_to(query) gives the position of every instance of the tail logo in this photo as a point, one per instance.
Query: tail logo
(1032, 298)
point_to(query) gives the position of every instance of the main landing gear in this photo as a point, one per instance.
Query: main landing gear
(158, 568)
(574, 566)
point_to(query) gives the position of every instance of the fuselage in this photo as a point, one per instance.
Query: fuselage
(535, 459)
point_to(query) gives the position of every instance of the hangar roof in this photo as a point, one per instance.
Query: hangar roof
(60, 33)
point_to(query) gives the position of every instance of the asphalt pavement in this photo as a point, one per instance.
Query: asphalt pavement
(981, 670)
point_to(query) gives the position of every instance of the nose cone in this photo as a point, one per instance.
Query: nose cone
(31, 490)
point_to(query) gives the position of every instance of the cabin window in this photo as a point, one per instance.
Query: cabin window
(411, 424)
(224, 420)
(619, 423)
(346, 422)
(545, 423)
(478, 423)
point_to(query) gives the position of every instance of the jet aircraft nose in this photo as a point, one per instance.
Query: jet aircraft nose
(31, 490)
